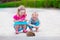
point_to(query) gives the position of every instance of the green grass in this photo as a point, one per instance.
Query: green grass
(9, 4)
(33, 4)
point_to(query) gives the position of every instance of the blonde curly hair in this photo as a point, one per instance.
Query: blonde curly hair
(21, 8)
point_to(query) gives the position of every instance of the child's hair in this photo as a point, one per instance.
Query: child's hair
(35, 14)
(21, 8)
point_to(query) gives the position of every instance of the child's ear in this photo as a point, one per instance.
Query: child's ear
(18, 9)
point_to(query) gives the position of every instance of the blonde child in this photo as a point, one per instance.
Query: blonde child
(34, 22)
(19, 20)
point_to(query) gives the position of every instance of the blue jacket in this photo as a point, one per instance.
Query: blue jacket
(36, 23)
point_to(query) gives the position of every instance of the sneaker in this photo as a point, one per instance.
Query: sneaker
(24, 31)
(17, 32)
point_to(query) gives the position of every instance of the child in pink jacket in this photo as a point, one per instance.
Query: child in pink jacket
(20, 20)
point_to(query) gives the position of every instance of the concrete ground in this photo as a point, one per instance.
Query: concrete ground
(49, 27)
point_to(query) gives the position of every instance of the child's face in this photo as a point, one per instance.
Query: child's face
(34, 17)
(22, 12)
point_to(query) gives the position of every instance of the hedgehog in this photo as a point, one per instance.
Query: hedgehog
(30, 33)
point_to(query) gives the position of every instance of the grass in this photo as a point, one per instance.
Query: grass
(33, 4)
(9, 4)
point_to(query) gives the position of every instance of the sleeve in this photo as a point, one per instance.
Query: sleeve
(15, 17)
(37, 23)
(22, 19)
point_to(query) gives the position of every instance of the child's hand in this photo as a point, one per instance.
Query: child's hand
(26, 20)
(15, 20)
(19, 20)
(32, 25)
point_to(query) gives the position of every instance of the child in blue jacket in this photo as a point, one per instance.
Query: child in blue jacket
(34, 22)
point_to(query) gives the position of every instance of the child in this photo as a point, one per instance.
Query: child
(34, 22)
(19, 20)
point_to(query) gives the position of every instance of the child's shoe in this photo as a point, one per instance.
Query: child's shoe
(17, 32)
(24, 31)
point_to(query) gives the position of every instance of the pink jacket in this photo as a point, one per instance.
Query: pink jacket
(17, 17)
